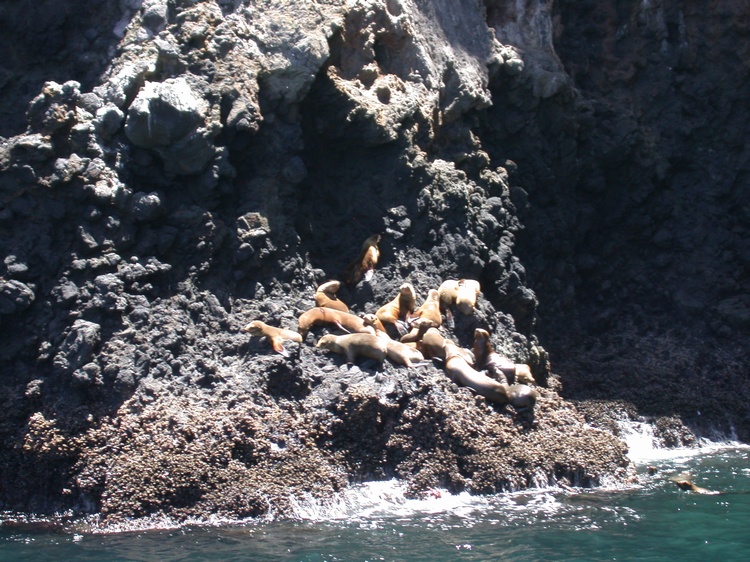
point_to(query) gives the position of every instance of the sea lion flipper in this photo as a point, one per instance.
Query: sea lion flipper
(278, 346)
(351, 354)
(340, 327)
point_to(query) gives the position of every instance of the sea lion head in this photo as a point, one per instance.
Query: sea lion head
(371, 319)
(481, 343)
(407, 289)
(407, 298)
(522, 397)
(326, 341)
(254, 328)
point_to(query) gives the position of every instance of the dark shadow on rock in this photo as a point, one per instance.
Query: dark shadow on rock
(51, 41)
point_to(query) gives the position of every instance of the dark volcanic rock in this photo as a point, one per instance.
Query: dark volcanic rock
(184, 168)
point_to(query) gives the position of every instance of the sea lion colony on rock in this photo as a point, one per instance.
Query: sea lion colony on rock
(481, 369)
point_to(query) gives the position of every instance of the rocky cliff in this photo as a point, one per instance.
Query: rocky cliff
(174, 169)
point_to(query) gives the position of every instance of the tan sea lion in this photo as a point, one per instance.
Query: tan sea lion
(418, 329)
(355, 345)
(325, 296)
(460, 371)
(373, 321)
(430, 308)
(463, 374)
(400, 308)
(524, 374)
(275, 336)
(364, 265)
(685, 482)
(466, 297)
(447, 293)
(345, 321)
(433, 346)
(403, 354)
(499, 367)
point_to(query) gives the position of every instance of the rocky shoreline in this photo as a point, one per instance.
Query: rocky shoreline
(205, 164)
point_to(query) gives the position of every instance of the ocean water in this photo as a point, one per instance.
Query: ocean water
(649, 520)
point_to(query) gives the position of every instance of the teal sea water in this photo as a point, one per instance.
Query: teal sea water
(651, 520)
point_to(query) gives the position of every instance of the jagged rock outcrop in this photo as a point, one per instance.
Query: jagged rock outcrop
(227, 157)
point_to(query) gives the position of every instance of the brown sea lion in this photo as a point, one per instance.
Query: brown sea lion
(275, 336)
(430, 308)
(460, 371)
(466, 297)
(325, 296)
(522, 397)
(364, 265)
(345, 321)
(499, 367)
(355, 345)
(400, 308)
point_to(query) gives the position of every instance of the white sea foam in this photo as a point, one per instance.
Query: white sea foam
(374, 501)
(643, 446)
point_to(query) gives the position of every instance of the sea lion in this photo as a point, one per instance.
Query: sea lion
(373, 321)
(522, 397)
(364, 265)
(430, 308)
(355, 345)
(325, 296)
(684, 482)
(418, 329)
(463, 374)
(447, 293)
(433, 346)
(466, 297)
(460, 371)
(499, 367)
(402, 354)
(345, 321)
(400, 308)
(275, 336)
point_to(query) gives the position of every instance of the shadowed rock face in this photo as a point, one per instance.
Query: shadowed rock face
(641, 167)
(225, 159)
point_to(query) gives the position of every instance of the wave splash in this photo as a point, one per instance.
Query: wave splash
(643, 445)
